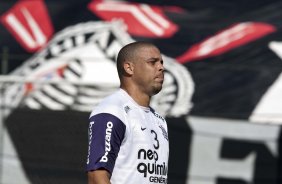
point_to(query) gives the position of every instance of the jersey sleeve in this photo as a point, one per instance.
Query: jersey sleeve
(106, 133)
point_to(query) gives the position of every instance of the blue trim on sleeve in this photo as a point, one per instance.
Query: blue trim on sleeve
(106, 133)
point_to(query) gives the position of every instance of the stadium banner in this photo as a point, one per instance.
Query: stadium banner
(221, 96)
(53, 146)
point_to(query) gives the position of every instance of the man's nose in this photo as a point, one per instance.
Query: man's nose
(161, 66)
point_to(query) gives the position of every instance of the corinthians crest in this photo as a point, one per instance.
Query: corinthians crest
(81, 59)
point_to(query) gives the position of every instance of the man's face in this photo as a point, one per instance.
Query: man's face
(149, 70)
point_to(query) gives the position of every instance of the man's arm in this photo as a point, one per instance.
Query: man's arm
(99, 177)
(107, 129)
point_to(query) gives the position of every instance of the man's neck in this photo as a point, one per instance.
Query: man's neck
(138, 96)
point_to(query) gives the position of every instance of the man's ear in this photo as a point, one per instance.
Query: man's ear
(128, 68)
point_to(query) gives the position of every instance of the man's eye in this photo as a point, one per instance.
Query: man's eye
(152, 62)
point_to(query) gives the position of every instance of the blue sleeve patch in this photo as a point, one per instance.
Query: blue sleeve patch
(106, 133)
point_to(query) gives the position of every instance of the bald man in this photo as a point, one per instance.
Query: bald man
(128, 140)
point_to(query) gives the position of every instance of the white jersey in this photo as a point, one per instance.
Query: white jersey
(129, 141)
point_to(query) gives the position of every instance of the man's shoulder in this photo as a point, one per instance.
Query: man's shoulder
(157, 115)
(112, 104)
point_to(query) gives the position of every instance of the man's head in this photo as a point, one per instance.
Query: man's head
(140, 66)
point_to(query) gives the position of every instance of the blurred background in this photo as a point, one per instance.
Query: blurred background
(222, 96)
